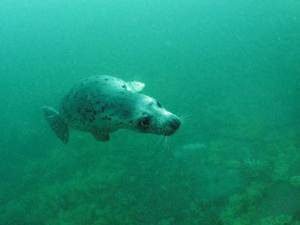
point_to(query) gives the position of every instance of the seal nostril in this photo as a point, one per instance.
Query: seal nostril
(175, 124)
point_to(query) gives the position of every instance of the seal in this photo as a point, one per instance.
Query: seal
(104, 104)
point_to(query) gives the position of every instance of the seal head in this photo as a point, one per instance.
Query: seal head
(151, 117)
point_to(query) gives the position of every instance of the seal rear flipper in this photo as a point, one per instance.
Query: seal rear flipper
(57, 124)
(100, 135)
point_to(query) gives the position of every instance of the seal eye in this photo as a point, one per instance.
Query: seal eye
(145, 122)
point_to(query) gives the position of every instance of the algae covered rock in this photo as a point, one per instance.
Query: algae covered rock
(278, 220)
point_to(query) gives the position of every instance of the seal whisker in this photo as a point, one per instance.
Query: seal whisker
(167, 148)
(185, 118)
(157, 146)
(166, 143)
(159, 141)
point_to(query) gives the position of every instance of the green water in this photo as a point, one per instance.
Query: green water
(229, 68)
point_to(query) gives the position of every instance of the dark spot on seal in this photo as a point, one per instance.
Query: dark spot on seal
(87, 112)
(158, 104)
(124, 86)
(122, 92)
(106, 79)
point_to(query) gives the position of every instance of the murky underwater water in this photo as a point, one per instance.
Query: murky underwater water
(229, 69)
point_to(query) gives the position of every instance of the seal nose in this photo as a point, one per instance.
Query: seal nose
(175, 123)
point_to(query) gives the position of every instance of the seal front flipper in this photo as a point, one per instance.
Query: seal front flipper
(57, 124)
(100, 135)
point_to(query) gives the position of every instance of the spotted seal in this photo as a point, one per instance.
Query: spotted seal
(103, 104)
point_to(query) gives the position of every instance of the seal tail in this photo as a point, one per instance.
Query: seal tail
(56, 123)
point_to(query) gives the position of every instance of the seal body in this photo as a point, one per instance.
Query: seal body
(103, 104)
